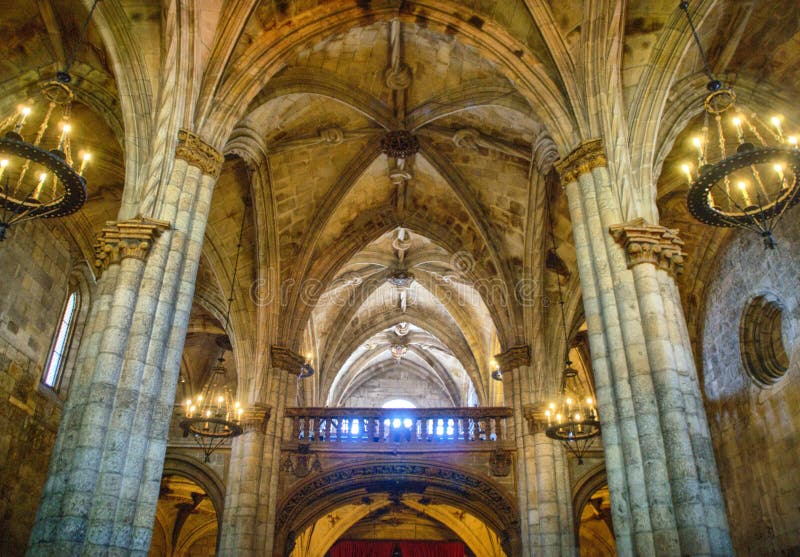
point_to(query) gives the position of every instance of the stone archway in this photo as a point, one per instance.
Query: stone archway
(440, 483)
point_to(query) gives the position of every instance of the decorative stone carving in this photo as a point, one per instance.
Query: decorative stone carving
(286, 359)
(514, 357)
(332, 135)
(398, 79)
(303, 462)
(534, 415)
(500, 462)
(583, 160)
(256, 418)
(198, 153)
(650, 243)
(399, 144)
(130, 238)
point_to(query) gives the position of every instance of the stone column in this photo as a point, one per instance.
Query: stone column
(102, 488)
(251, 499)
(664, 487)
(542, 476)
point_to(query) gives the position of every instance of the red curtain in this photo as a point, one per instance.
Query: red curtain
(347, 548)
(432, 549)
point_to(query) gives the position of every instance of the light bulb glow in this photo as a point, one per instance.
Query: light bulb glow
(742, 186)
(569, 401)
(547, 413)
(3, 163)
(737, 121)
(696, 141)
(25, 110)
(577, 417)
(220, 399)
(776, 121)
(552, 406)
(589, 401)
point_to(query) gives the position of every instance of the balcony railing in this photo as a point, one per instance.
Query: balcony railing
(420, 426)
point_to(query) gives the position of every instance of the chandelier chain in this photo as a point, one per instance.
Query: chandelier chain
(71, 58)
(685, 8)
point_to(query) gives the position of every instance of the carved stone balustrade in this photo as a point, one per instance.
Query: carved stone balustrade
(384, 428)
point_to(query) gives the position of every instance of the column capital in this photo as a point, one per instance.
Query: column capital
(256, 417)
(650, 243)
(129, 238)
(534, 415)
(286, 359)
(585, 158)
(514, 357)
(198, 153)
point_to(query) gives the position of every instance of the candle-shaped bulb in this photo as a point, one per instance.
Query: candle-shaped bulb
(308, 357)
(569, 401)
(192, 408)
(199, 398)
(696, 142)
(577, 417)
(23, 113)
(220, 399)
(547, 413)
(208, 413)
(589, 401)
(558, 418)
(687, 171)
(742, 186)
(552, 406)
(84, 162)
(792, 140)
(187, 402)
(493, 364)
(236, 404)
(737, 121)
(3, 165)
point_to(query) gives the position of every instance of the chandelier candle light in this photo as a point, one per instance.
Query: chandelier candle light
(213, 416)
(38, 177)
(747, 167)
(572, 419)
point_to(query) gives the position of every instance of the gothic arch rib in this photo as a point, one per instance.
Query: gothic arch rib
(266, 56)
(317, 81)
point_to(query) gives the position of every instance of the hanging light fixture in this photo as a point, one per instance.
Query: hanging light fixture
(747, 170)
(212, 416)
(497, 373)
(38, 177)
(571, 419)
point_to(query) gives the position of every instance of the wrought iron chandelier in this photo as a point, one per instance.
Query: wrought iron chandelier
(38, 177)
(747, 170)
(572, 419)
(213, 415)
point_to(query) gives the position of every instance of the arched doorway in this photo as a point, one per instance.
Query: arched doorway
(391, 500)
(592, 508)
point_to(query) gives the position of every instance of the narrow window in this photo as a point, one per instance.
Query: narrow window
(61, 343)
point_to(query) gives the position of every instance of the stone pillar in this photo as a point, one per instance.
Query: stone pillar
(251, 499)
(665, 493)
(104, 476)
(542, 476)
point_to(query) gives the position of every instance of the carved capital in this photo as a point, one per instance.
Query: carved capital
(129, 238)
(286, 359)
(534, 415)
(256, 418)
(198, 153)
(583, 160)
(514, 357)
(650, 243)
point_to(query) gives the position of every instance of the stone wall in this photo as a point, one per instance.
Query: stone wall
(423, 392)
(36, 266)
(756, 427)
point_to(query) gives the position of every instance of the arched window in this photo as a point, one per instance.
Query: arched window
(58, 352)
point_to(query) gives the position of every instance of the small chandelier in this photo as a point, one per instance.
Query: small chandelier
(747, 171)
(214, 416)
(572, 418)
(38, 178)
(497, 373)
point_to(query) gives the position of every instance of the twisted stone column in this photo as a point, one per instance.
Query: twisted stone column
(665, 492)
(102, 488)
(251, 498)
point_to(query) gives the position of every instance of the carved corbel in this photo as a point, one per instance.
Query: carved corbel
(650, 243)
(286, 359)
(500, 462)
(255, 418)
(583, 160)
(197, 152)
(534, 415)
(514, 357)
(122, 239)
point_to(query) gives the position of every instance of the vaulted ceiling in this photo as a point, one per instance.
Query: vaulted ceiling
(299, 94)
